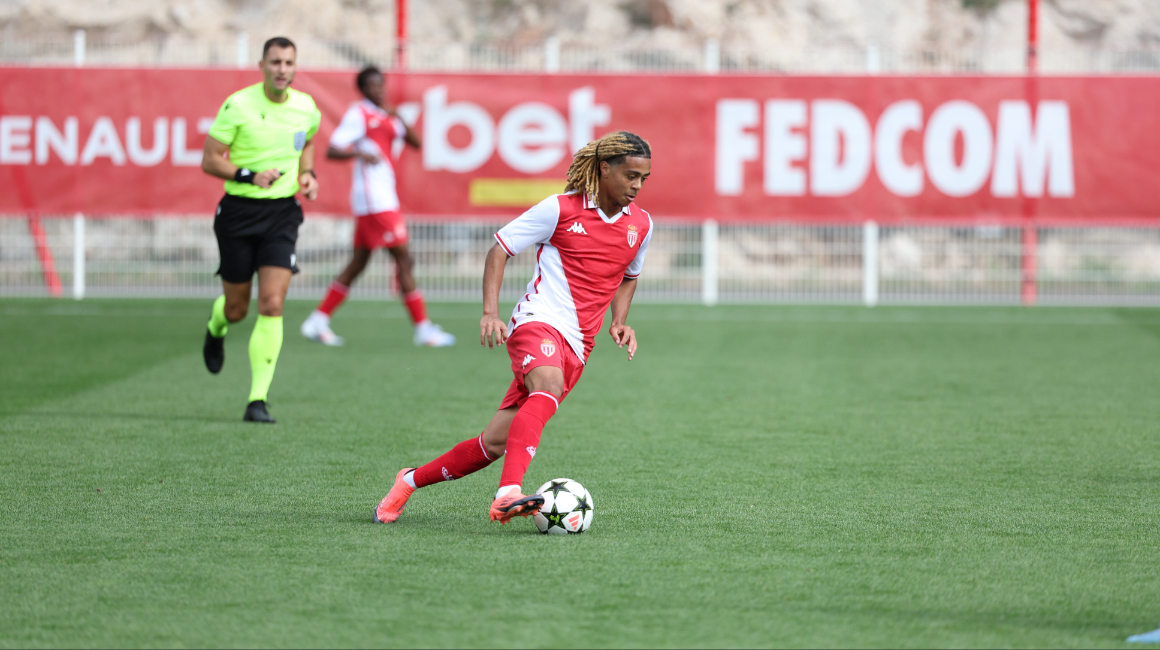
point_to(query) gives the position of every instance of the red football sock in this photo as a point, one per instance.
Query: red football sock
(415, 305)
(465, 458)
(524, 436)
(334, 297)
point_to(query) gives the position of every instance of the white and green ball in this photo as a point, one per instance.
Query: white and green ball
(567, 508)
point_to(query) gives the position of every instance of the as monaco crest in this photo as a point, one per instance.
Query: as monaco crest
(548, 347)
(631, 236)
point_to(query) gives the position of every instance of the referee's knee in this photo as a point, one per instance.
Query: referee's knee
(270, 305)
(236, 311)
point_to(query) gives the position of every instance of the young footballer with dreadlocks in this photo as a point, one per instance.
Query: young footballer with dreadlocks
(590, 245)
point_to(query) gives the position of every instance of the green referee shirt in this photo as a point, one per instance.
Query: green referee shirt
(263, 135)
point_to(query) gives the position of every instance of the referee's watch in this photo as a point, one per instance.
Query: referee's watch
(244, 175)
(309, 171)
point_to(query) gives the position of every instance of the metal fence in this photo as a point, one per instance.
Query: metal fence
(551, 56)
(687, 262)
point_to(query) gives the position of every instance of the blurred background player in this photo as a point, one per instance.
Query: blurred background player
(590, 247)
(266, 130)
(369, 132)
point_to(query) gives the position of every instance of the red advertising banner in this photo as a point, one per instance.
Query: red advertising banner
(733, 148)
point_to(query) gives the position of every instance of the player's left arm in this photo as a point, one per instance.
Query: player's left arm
(621, 333)
(306, 178)
(410, 135)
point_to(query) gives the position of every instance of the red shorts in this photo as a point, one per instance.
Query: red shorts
(381, 230)
(538, 344)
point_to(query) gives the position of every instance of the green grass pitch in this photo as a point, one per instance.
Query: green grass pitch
(763, 476)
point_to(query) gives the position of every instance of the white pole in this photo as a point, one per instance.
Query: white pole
(873, 58)
(870, 263)
(79, 48)
(79, 256)
(712, 56)
(244, 50)
(552, 55)
(709, 262)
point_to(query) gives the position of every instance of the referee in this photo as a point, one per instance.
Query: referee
(266, 129)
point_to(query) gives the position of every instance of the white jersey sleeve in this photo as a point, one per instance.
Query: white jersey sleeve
(634, 269)
(536, 226)
(350, 130)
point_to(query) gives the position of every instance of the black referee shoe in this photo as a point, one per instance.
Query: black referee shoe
(214, 352)
(256, 412)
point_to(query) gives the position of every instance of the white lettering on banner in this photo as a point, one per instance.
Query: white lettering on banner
(439, 117)
(585, 115)
(1036, 155)
(179, 155)
(532, 138)
(898, 177)
(840, 148)
(103, 143)
(947, 123)
(784, 145)
(64, 144)
(15, 137)
(735, 145)
(837, 170)
(154, 155)
(17, 133)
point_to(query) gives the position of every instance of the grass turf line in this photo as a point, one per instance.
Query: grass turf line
(763, 476)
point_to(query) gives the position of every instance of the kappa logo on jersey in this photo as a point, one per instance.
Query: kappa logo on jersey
(528, 359)
(577, 228)
(532, 452)
(373, 123)
(548, 347)
(631, 235)
(447, 476)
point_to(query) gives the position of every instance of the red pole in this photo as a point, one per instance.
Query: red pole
(1032, 36)
(1029, 291)
(401, 35)
(44, 253)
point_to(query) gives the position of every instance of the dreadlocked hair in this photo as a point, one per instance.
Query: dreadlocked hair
(584, 174)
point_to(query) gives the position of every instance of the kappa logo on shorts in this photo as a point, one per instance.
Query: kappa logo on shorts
(447, 476)
(532, 452)
(631, 235)
(528, 359)
(548, 347)
(578, 229)
(389, 237)
(293, 259)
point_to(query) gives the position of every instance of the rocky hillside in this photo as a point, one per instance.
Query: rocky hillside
(660, 24)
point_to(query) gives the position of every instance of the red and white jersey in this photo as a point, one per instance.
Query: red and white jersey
(582, 256)
(370, 129)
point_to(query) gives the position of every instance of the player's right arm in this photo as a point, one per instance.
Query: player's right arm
(215, 163)
(492, 330)
(344, 140)
(532, 227)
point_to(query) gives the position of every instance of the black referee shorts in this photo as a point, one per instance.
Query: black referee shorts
(256, 232)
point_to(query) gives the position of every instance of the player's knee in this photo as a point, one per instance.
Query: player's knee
(556, 388)
(495, 449)
(270, 306)
(237, 311)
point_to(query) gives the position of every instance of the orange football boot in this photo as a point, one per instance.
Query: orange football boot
(391, 507)
(514, 504)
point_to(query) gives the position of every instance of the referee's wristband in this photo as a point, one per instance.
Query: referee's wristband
(310, 171)
(243, 175)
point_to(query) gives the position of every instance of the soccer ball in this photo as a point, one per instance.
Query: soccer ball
(567, 508)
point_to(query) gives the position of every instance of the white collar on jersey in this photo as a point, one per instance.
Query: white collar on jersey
(372, 107)
(590, 204)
